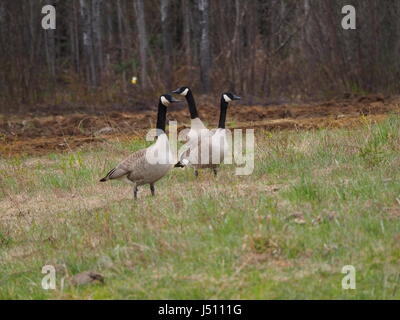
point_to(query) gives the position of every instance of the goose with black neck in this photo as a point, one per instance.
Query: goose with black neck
(219, 140)
(197, 129)
(210, 150)
(136, 168)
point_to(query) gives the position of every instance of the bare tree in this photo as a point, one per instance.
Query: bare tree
(88, 48)
(75, 32)
(142, 35)
(166, 36)
(186, 31)
(275, 48)
(97, 32)
(205, 57)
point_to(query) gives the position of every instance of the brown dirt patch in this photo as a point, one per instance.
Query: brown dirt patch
(43, 134)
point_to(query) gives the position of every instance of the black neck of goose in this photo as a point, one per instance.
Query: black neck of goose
(192, 105)
(222, 115)
(161, 118)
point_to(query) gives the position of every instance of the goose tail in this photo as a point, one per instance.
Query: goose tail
(181, 164)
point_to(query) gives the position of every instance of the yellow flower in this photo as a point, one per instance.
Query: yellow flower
(134, 80)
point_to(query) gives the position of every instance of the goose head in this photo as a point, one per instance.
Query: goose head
(167, 99)
(183, 91)
(228, 97)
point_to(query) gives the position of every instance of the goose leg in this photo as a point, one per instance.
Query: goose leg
(196, 173)
(215, 171)
(135, 190)
(152, 189)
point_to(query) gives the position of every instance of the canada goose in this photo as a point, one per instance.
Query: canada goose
(137, 168)
(219, 141)
(214, 141)
(197, 128)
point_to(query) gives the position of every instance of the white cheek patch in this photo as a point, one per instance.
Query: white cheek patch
(227, 99)
(164, 101)
(185, 92)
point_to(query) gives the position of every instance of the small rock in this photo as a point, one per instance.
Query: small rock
(86, 277)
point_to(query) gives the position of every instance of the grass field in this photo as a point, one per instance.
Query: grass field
(317, 201)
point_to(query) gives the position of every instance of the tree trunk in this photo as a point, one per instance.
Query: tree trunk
(205, 57)
(142, 35)
(86, 17)
(50, 51)
(97, 33)
(306, 31)
(186, 32)
(166, 36)
(76, 37)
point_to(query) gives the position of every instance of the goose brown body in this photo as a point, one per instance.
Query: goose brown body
(148, 165)
(136, 169)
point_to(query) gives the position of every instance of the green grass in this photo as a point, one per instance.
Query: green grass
(316, 201)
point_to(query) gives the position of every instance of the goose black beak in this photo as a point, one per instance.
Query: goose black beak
(176, 91)
(235, 97)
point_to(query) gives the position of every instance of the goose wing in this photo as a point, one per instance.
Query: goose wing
(132, 165)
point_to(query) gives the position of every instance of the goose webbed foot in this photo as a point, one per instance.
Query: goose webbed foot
(152, 189)
(135, 191)
(215, 171)
(196, 173)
